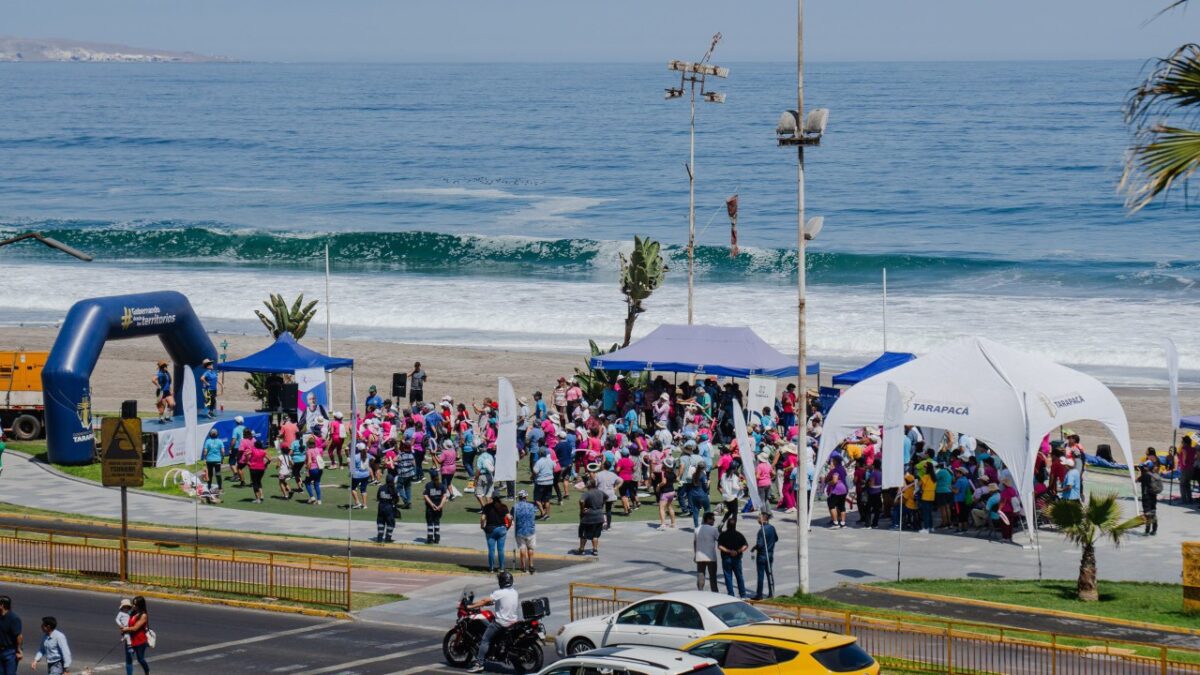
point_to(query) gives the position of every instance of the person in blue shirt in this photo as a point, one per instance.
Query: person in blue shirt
(564, 449)
(539, 407)
(764, 554)
(214, 452)
(360, 476)
(54, 649)
(631, 420)
(209, 380)
(1071, 484)
(164, 401)
(235, 444)
(374, 400)
(962, 490)
(433, 421)
(524, 523)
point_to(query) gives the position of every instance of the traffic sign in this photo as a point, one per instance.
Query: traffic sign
(121, 452)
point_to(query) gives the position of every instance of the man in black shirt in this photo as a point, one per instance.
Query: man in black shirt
(10, 637)
(732, 545)
(591, 517)
(385, 515)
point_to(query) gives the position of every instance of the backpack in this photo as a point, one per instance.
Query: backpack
(1155, 484)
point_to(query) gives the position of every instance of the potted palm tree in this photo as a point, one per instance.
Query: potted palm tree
(1084, 524)
(292, 319)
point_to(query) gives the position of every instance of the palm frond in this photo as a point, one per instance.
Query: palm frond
(1117, 532)
(1165, 151)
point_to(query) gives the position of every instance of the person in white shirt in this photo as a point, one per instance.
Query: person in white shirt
(705, 547)
(507, 603)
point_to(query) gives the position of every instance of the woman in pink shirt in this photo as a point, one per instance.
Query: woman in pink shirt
(787, 498)
(625, 467)
(337, 440)
(449, 462)
(255, 457)
(762, 475)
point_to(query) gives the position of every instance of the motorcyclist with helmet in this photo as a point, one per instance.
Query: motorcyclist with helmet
(507, 612)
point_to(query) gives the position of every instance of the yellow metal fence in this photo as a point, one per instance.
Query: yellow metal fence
(260, 574)
(935, 645)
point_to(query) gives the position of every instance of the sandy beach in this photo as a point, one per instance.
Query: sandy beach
(467, 374)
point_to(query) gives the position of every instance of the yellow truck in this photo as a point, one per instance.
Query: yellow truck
(22, 412)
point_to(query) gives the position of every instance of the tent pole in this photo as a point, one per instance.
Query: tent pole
(899, 530)
(328, 328)
(884, 310)
(353, 440)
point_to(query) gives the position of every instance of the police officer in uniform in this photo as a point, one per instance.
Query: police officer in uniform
(385, 518)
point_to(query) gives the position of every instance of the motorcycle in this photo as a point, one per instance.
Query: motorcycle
(520, 646)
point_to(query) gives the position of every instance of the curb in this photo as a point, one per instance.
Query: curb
(83, 481)
(1127, 623)
(163, 595)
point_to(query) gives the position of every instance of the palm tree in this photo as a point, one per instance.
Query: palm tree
(641, 273)
(1084, 525)
(593, 381)
(292, 319)
(1160, 110)
(283, 319)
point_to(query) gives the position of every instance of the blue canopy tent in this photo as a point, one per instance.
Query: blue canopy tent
(886, 361)
(1192, 422)
(724, 351)
(285, 356)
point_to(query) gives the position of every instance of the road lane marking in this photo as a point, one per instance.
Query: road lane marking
(341, 667)
(227, 645)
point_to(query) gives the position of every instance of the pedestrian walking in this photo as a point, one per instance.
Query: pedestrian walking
(525, 516)
(1151, 486)
(214, 452)
(704, 546)
(11, 641)
(764, 555)
(360, 475)
(732, 546)
(139, 634)
(435, 497)
(54, 648)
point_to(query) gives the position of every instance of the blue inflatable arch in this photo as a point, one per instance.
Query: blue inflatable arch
(89, 325)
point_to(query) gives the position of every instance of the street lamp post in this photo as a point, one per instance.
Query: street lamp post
(797, 129)
(692, 74)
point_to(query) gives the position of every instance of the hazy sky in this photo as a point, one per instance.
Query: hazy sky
(613, 30)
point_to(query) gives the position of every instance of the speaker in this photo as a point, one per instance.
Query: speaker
(399, 385)
(289, 394)
(129, 410)
(1104, 451)
(149, 447)
(275, 395)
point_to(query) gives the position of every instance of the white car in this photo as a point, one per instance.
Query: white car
(668, 620)
(634, 661)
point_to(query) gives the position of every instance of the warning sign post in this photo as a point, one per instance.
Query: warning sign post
(121, 466)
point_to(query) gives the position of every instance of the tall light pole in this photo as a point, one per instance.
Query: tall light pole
(796, 129)
(692, 74)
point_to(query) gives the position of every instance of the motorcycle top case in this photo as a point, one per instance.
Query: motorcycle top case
(535, 608)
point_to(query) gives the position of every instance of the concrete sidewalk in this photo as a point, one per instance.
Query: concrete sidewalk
(638, 554)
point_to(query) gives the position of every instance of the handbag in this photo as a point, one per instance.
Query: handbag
(151, 637)
(321, 462)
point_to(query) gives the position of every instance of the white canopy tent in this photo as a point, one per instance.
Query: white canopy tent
(1006, 398)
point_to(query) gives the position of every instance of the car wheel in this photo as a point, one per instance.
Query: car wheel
(579, 646)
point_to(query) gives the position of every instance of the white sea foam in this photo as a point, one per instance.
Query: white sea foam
(845, 323)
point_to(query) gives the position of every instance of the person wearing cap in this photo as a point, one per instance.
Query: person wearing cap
(435, 496)
(385, 512)
(164, 401)
(764, 555)
(485, 471)
(448, 462)
(664, 492)
(1151, 486)
(235, 446)
(525, 517)
(124, 610)
(360, 476)
(417, 377)
(961, 489)
(374, 400)
(209, 380)
(1071, 490)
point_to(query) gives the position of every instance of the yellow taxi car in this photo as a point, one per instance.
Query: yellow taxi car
(778, 649)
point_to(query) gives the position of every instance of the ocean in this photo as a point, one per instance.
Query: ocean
(486, 205)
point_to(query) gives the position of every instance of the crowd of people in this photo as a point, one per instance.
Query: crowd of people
(625, 445)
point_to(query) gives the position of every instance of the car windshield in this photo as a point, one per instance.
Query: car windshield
(707, 670)
(734, 614)
(844, 659)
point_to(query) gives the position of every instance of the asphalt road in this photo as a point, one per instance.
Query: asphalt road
(194, 639)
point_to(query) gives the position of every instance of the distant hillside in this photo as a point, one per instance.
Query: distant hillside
(13, 49)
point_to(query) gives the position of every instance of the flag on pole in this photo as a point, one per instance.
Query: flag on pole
(731, 207)
(506, 436)
(746, 453)
(893, 438)
(1173, 380)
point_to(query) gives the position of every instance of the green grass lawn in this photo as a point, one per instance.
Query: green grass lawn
(1136, 601)
(336, 496)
